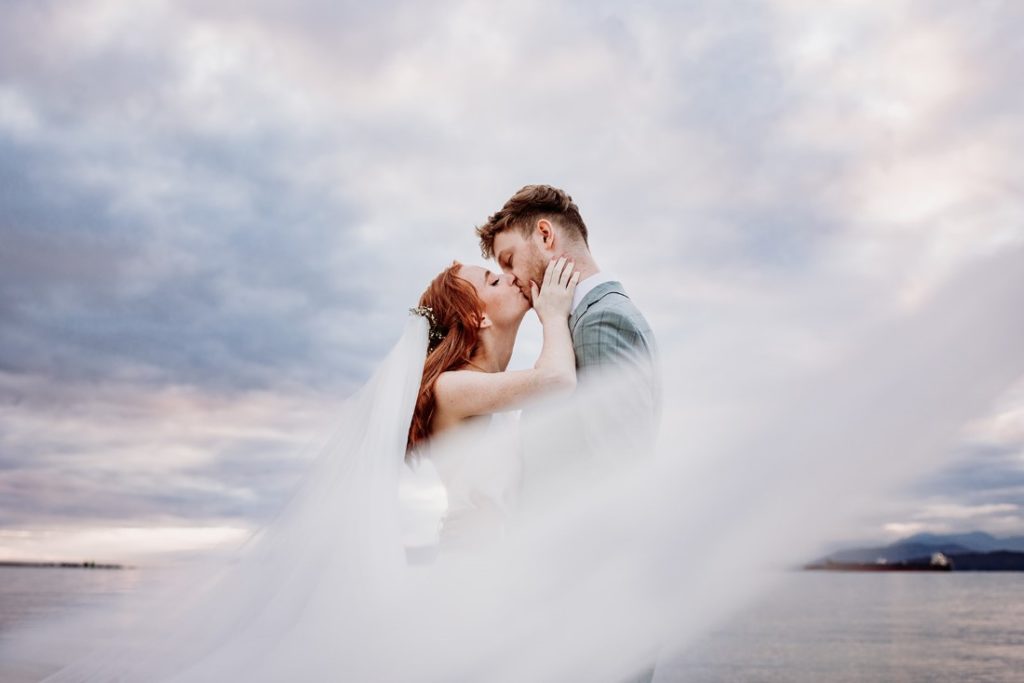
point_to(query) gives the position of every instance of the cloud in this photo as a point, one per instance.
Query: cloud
(1003, 519)
(215, 214)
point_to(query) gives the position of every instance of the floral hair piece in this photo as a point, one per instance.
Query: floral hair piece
(436, 333)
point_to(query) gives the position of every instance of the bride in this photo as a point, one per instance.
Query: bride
(311, 595)
(474, 318)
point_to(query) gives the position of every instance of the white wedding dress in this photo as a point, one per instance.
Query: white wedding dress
(591, 573)
(481, 470)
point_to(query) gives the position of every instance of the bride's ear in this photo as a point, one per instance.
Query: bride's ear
(485, 322)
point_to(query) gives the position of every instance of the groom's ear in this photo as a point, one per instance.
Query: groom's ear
(546, 232)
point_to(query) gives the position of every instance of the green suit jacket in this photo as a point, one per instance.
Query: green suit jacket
(609, 330)
(611, 337)
(610, 334)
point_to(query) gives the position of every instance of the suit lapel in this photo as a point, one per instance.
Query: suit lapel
(592, 297)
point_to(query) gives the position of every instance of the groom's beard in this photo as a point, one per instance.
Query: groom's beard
(538, 265)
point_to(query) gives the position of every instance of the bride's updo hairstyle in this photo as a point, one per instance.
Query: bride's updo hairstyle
(456, 315)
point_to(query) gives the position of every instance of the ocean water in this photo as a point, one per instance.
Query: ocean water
(809, 627)
(30, 593)
(830, 626)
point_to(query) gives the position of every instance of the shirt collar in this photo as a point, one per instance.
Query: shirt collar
(584, 287)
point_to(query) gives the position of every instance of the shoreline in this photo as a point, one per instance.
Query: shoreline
(60, 565)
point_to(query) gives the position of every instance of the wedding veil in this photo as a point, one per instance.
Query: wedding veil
(304, 584)
(595, 578)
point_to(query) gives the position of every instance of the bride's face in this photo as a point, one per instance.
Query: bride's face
(504, 302)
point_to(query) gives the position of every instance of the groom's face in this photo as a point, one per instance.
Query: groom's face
(522, 257)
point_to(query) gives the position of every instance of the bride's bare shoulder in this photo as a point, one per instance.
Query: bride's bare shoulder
(453, 381)
(453, 378)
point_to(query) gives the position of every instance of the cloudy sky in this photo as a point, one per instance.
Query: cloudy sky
(213, 216)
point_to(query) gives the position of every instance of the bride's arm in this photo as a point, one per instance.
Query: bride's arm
(464, 393)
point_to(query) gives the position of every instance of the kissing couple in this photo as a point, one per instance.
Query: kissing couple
(540, 244)
(325, 592)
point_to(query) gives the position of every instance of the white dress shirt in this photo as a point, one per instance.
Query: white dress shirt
(584, 287)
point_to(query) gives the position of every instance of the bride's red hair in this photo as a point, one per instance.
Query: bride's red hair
(457, 313)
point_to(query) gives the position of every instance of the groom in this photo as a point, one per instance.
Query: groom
(610, 336)
(609, 333)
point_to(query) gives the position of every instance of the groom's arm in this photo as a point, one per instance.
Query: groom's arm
(614, 344)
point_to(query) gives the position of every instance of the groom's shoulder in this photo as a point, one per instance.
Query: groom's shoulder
(610, 307)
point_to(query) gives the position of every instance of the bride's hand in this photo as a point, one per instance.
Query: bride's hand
(553, 299)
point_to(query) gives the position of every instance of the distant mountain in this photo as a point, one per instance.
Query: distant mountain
(926, 545)
(897, 552)
(995, 561)
(975, 540)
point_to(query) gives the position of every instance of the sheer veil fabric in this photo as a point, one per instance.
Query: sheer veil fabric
(304, 589)
(746, 479)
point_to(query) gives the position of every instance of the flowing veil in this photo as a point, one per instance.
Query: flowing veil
(330, 558)
(596, 576)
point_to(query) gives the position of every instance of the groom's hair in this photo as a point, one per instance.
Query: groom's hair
(525, 208)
